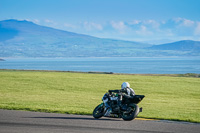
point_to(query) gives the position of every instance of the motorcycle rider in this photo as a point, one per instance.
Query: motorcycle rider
(127, 93)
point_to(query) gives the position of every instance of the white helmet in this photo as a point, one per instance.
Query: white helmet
(125, 85)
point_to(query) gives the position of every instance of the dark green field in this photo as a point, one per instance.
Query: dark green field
(167, 97)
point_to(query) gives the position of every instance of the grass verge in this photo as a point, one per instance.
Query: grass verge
(170, 98)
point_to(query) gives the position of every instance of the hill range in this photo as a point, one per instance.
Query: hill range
(26, 39)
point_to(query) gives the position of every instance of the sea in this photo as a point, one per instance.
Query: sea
(126, 65)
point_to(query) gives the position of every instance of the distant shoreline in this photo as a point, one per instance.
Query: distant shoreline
(195, 75)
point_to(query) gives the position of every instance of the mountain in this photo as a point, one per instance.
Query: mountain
(188, 47)
(27, 39)
(184, 45)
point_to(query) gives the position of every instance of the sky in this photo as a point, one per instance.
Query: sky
(150, 21)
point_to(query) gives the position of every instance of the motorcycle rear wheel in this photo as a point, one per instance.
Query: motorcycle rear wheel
(131, 113)
(98, 111)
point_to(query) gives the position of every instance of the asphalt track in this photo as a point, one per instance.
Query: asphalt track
(35, 122)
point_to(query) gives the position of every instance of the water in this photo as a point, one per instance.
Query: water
(112, 64)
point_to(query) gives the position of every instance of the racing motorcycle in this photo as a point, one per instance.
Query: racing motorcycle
(119, 106)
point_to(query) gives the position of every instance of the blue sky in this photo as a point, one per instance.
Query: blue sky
(152, 21)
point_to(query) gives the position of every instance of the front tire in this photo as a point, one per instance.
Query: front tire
(98, 111)
(131, 113)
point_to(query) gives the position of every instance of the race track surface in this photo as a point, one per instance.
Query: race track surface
(35, 122)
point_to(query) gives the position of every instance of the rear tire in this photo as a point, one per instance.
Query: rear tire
(98, 111)
(132, 112)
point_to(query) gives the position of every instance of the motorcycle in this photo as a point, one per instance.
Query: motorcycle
(119, 106)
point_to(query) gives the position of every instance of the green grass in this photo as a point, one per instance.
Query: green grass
(171, 98)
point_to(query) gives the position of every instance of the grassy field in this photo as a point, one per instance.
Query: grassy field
(172, 98)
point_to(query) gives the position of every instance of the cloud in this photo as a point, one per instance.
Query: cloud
(171, 29)
(71, 26)
(120, 26)
(143, 31)
(37, 21)
(153, 23)
(134, 22)
(49, 21)
(92, 26)
(184, 22)
(150, 23)
(188, 23)
(197, 29)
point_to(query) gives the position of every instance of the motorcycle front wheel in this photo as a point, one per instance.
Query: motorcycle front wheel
(98, 111)
(130, 113)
